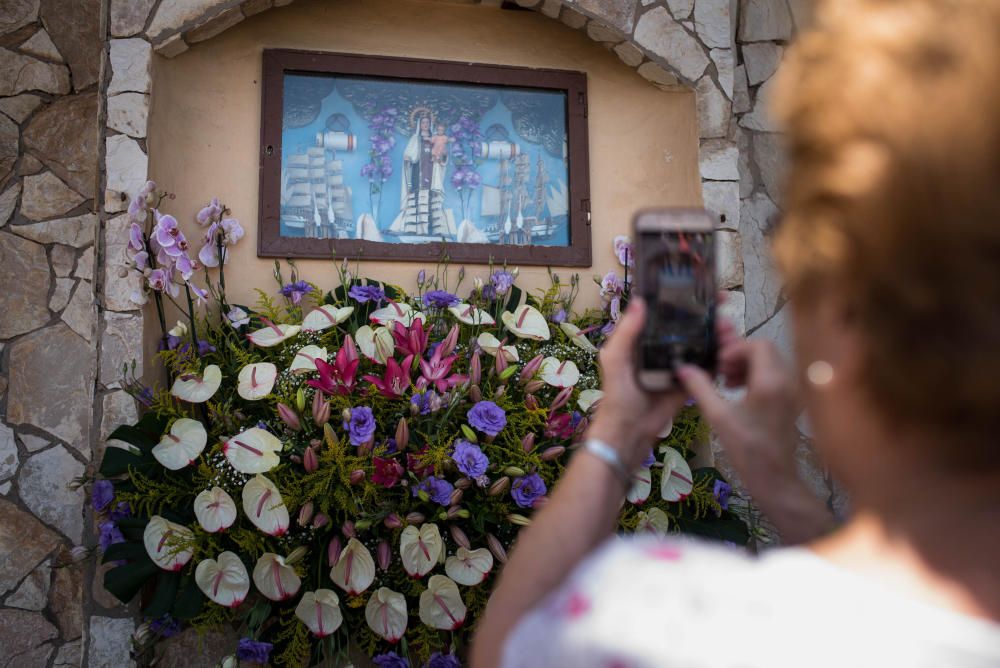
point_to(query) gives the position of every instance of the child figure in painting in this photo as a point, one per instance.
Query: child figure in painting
(439, 145)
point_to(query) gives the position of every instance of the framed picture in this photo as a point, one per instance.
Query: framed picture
(404, 159)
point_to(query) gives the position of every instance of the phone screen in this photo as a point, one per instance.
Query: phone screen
(677, 280)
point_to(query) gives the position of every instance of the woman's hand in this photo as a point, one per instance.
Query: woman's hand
(629, 418)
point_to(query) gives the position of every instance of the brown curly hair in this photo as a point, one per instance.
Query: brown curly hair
(892, 111)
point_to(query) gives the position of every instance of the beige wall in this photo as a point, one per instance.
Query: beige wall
(205, 119)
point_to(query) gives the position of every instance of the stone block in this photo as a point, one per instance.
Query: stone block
(712, 23)
(718, 160)
(254, 7)
(117, 408)
(572, 18)
(110, 642)
(17, 14)
(760, 278)
(765, 20)
(62, 260)
(23, 636)
(20, 107)
(191, 649)
(29, 164)
(40, 45)
(658, 33)
(70, 655)
(99, 594)
(723, 199)
(75, 28)
(174, 15)
(24, 543)
(217, 25)
(9, 459)
(733, 309)
(8, 202)
(60, 296)
(629, 54)
(681, 9)
(9, 136)
(761, 60)
(130, 59)
(551, 8)
(85, 265)
(656, 75)
(20, 73)
(760, 118)
(44, 486)
(24, 275)
(64, 137)
(128, 17)
(128, 113)
(769, 155)
(729, 260)
(126, 165)
(121, 344)
(741, 92)
(777, 330)
(78, 231)
(117, 289)
(33, 593)
(81, 312)
(619, 15)
(713, 109)
(172, 46)
(46, 196)
(66, 597)
(723, 59)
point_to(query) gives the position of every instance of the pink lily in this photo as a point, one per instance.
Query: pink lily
(338, 378)
(450, 341)
(396, 379)
(436, 372)
(411, 340)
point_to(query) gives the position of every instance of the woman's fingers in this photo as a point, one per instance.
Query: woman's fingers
(616, 353)
(700, 386)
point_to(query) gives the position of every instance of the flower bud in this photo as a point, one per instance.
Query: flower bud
(469, 434)
(393, 521)
(582, 425)
(365, 448)
(320, 521)
(295, 458)
(508, 372)
(475, 393)
(363, 525)
(515, 271)
(402, 434)
(499, 392)
(477, 283)
(309, 461)
(500, 362)
(452, 512)
(561, 399)
(459, 537)
(496, 547)
(476, 368)
(519, 520)
(320, 410)
(357, 477)
(305, 513)
(415, 518)
(531, 402)
(539, 502)
(464, 482)
(296, 555)
(450, 341)
(384, 555)
(346, 414)
(528, 442)
(330, 436)
(456, 497)
(530, 369)
(348, 529)
(550, 454)
(289, 417)
(229, 662)
(464, 514)
(499, 487)
(533, 386)
(300, 400)
(333, 551)
(514, 471)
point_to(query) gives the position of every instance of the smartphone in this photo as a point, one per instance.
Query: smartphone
(675, 274)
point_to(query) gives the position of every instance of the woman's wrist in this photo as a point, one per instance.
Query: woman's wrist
(619, 437)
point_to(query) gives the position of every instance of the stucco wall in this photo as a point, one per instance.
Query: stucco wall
(204, 124)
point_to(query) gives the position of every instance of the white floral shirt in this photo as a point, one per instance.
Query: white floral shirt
(644, 602)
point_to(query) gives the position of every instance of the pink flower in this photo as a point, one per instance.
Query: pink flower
(436, 372)
(396, 379)
(338, 378)
(624, 251)
(387, 471)
(210, 212)
(411, 340)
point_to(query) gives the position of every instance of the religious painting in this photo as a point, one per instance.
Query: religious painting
(391, 158)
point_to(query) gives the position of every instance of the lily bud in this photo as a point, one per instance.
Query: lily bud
(500, 362)
(289, 417)
(295, 458)
(330, 436)
(469, 434)
(533, 386)
(582, 425)
(549, 454)
(452, 512)
(477, 283)
(415, 518)
(464, 513)
(530, 369)
(528, 442)
(320, 521)
(531, 402)
(514, 471)
(496, 547)
(393, 521)
(320, 410)
(515, 271)
(456, 497)
(309, 461)
(305, 513)
(296, 555)
(508, 372)
(475, 393)
(348, 529)
(357, 477)
(384, 555)
(300, 400)
(414, 409)
(464, 482)
(475, 368)
(519, 520)
(333, 550)
(346, 414)
(459, 537)
(363, 525)
(539, 502)
(499, 487)
(450, 341)
(500, 391)
(402, 434)
(365, 448)
(561, 399)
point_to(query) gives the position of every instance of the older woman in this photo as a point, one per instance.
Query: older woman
(890, 252)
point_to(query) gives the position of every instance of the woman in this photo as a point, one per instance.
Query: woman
(422, 191)
(890, 252)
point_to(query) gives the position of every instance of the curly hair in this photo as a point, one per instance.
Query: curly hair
(892, 111)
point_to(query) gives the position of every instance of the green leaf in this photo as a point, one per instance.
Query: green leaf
(163, 595)
(129, 550)
(144, 434)
(124, 582)
(189, 601)
(117, 461)
(133, 527)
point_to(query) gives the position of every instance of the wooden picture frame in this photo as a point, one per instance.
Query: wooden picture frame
(307, 187)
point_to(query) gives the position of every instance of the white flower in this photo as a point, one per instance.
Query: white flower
(272, 335)
(642, 483)
(557, 373)
(420, 549)
(320, 611)
(492, 345)
(396, 311)
(326, 316)
(471, 315)
(256, 380)
(237, 317)
(198, 389)
(386, 614)
(263, 505)
(215, 509)
(375, 344)
(469, 567)
(225, 581)
(252, 451)
(441, 605)
(354, 571)
(274, 579)
(677, 481)
(588, 398)
(305, 359)
(526, 323)
(180, 447)
(655, 520)
(577, 337)
(167, 543)
(179, 330)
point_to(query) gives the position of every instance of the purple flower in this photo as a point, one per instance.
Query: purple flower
(440, 299)
(528, 488)
(294, 291)
(101, 494)
(487, 417)
(439, 660)
(146, 396)
(120, 512)
(650, 459)
(361, 426)
(367, 293)
(470, 459)
(438, 489)
(624, 251)
(204, 347)
(165, 626)
(136, 240)
(721, 491)
(421, 277)
(390, 660)
(110, 534)
(611, 285)
(559, 316)
(422, 401)
(251, 650)
(502, 281)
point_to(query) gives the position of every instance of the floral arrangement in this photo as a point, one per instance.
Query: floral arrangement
(349, 469)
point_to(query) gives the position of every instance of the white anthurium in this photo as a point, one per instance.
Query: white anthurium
(181, 445)
(325, 317)
(167, 543)
(441, 605)
(396, 312)
(224, 580)
(305, 359)
(375, 344)
(588, 398)
(471, 315)
(420, 549)
(262, 503)
(354, 571)
(252, 451)
(178, 330)
(653, 520)
(195, 388)
(677, 481)
(559, 373)
(577, 337)
(274, 578)
(272, 335)
(320, 611)
(526, 322)
(386, 614)
(492, 345)
(469, 567)
(256, 380)
(666, 430)
(642, 483)
(215, 509)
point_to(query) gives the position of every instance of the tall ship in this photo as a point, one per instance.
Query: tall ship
(520, 213)
(315, 201)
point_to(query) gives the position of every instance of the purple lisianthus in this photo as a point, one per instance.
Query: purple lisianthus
(252, 650)
(294, 291)
(171, 342)
(204, 348)
(390, 660)
(721, 491)
(101, 494)
(487, 417)
(422, 401)
(367, 293)
(440, 299)
(528, 488)
(165, 626)
(110, 535)
(120, 512)
(438, 489)
(470, 459)
(439, 660)
(361, 426)
(650, 459)
(559, 316)
(502, 281)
